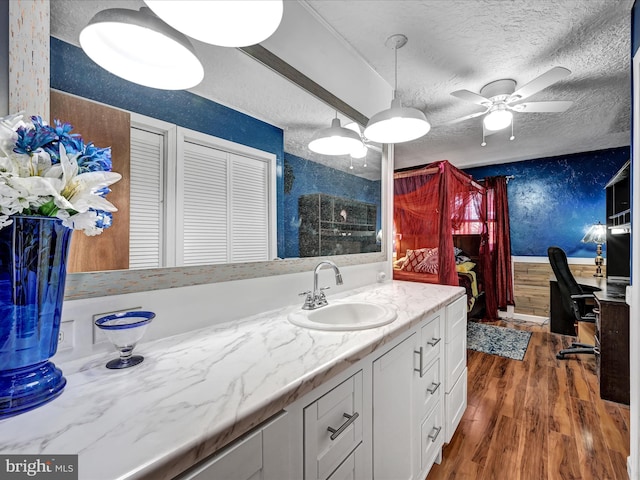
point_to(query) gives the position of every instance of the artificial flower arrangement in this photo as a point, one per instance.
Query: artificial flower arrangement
(48, 171)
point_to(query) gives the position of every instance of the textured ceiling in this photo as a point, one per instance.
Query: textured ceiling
(453, 45)
(464, 44)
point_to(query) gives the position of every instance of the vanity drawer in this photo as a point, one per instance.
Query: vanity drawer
(430, 344)
(431, 438)
(429, 389)
(336, 414)
(456, 322)
(351, 468)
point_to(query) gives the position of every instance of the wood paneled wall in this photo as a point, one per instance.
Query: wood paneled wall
(104, 127)
(531, 285)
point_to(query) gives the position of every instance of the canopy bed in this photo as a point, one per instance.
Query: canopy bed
(452, 230)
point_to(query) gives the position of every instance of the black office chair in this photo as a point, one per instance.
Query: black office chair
(573, 299)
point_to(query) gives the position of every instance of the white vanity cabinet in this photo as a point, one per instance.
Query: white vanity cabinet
(455, 376)
(408, 405)
(263, 454)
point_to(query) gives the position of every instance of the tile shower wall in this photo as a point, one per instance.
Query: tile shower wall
(73, 72)
(303, 177)
(553, 201)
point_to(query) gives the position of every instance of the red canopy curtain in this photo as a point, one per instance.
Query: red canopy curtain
(498, 277)
(429, 204)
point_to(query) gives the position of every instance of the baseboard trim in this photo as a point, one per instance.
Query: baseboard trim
(524, 317)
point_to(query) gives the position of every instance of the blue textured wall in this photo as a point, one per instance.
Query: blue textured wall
(311, 177)
(553, 201)
(73, 72)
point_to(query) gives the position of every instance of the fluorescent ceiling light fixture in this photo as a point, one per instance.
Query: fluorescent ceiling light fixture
(141, 48)
(498, 119)
(227, 23)
(397, 124)
(335, 140)
(620, 230)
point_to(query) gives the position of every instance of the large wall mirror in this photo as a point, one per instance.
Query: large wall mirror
(324, 206)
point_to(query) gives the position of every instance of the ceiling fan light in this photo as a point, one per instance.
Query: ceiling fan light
(227, 23)
(335, 140)
(141, 48)
(498, 119)
(397, 124)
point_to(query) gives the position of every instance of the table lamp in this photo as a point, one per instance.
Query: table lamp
(597, 234)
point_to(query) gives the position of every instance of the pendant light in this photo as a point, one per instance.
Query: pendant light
(141, 48)
(226, 23)
(397, 124)
(335, 140)
(361, 150)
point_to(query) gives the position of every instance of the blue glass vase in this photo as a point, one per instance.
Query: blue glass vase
(33, 258)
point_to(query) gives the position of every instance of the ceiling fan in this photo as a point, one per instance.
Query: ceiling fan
(366, 143)
(500, 98)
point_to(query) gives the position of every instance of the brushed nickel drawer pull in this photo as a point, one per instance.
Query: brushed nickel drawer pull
(350, 419)
(434, 387)
(421, 353)
(434, 341)
(432, 435)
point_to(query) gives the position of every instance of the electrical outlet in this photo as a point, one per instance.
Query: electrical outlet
(66, 335)
(98, 335)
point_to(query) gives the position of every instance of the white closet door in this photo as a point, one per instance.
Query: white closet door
(204, 205)
(146, 206)
(249, 209)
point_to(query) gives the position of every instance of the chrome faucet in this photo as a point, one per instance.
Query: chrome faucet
(317, 298)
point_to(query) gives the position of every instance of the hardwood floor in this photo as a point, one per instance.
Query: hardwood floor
(536, 419)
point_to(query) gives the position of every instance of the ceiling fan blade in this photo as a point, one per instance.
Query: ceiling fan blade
(462, 119)
(543, 81)
(471, 97)
(542, 107)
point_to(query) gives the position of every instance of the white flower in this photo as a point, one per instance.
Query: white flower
(39, 177)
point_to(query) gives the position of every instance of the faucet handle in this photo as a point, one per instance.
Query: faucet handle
(308, 300)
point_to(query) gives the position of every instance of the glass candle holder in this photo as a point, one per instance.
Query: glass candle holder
(124, 331)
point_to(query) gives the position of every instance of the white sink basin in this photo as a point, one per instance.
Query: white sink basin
(344, 316)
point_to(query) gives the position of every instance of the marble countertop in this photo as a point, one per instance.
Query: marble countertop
(197, 391)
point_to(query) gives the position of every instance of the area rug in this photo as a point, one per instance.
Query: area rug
(505, 342)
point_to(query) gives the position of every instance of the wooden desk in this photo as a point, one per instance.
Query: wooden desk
(611, 333)
(612, 338)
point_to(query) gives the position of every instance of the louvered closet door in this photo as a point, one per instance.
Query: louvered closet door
(249, 213)
(204, 205)
(146, 199)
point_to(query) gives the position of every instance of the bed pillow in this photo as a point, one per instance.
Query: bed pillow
(399, 263)
(414, 257)
(430, 263)
(462, 259)
(465, 267)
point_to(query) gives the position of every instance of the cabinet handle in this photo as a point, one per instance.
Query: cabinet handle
(421, 353)
(434, 341)
(350, 419)
(434, 387)
(432, 435)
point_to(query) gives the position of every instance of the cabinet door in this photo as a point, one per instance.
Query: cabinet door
(393, 419)
(351, 468)
(262, 455)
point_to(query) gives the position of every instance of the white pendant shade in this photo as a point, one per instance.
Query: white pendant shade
(498, 119)
(335, 140)
(141, 48)
(397, 124)
(227, 23)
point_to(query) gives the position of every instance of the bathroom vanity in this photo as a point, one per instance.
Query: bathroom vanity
(262, 398)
